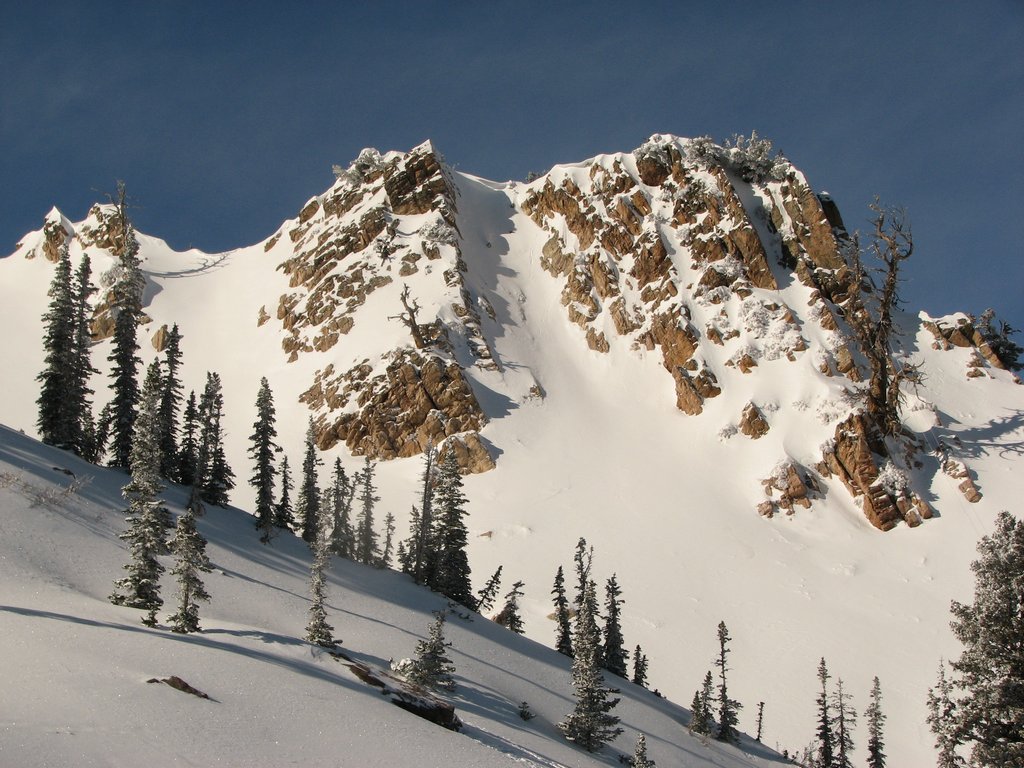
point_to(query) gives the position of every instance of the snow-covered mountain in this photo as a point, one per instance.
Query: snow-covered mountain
(646, 349)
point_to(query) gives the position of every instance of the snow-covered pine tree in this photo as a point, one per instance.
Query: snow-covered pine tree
(452, 573)
(943, 719)
(563, 624)
(846, 719)
(216, 477)
(760, 720)
(583, 559)
(384, 561)
(876, 722)
(366, 550)
(486, 596)
(639, 667)
(283, 515)
(432, 668)
(508, 616)
(342, 493)
(126, 303)
(591, 724)
(421, 557)
(728, 708)
(308, 504)
(825, 753)
(83, 435)
(701, 721)
(615, 655)
(188, 451)
(146, 515)
(406, 549)
(189, 549)
(262, 450)
(990, 671)
(170, 403)
(318, 631)
(54, 418)
(640, 759)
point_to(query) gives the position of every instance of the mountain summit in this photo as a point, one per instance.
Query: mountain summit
(657, 350)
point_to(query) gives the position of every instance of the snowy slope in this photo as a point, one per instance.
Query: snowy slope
(76, 667)
(667, 499)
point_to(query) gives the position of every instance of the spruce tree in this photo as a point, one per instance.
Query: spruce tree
(508, 616)
(563, 636)
(639, 667)
(83, 437)
(216, 479)
(486, 596)
(188, 451)
(702, 720)
(318, 631)
(826, 721)
(989, 712)
(170, 403)
(54, 417)
(262, 450)
(760, 720)
(583, 559)
(876, 721)
(366, 551)
(283, 515)
(189, 550)
(452, 576)
(591, 724)
(384, 561)
(640, 759)
(846, 719)
(432, 668)
(615, 655)
(943, 719)
(342, 493)
(422, 559)
(126, 304)
(146, 517)
(308, 504)
(727, 707)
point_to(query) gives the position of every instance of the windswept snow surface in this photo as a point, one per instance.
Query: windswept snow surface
(75, 667)
(667, 500)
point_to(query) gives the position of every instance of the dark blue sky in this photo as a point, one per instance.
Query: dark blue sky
(223, 118)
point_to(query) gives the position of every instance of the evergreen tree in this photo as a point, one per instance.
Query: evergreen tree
(189, 549)
(989, 713)
(760, 720)
(342, 493)
(188, 452)
(640, 759)
(54, 418)
(486, 596)
(419, 548)
(283, 515)
(639, 667)
(943, 719)
(508, 616)
(367, 550)
(583, 560)
(846, 718)
(826, 721)
(309, 491)
(146, 517)
(170, 403)
(432, 668)
(262, 451)
(216, 479)
(563, 637)
(591, 724)
(126, 304)
(318, 631)
(615, 655)
(701, 721)
(727, 707)
(452, 576)
(83, 438)
(384, 561)
(876, 722)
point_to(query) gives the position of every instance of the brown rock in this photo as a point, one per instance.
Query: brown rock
(159, 339)
(753, 423)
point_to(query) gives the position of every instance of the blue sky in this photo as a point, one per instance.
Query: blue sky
(224, 118)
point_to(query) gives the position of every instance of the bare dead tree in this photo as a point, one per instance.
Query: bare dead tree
(409, 318)
(870, 309)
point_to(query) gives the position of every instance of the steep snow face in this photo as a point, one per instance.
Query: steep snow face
(613, 321)
(80, 679)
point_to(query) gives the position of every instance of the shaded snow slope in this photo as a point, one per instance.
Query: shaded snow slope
(76, 667)
(591, 444)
